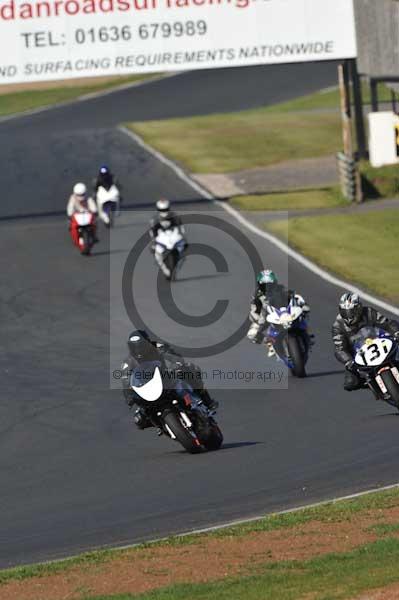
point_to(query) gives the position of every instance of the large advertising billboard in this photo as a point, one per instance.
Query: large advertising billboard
(58, 39)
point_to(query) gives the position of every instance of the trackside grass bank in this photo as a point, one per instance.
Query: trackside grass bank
(334, 551)
(362, 248)
(20, 101)
(331, 577)
(297, 200)
(305, 127)
(222, 143)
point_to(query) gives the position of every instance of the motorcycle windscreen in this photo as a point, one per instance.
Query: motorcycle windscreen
(366, 333)
(146, 381)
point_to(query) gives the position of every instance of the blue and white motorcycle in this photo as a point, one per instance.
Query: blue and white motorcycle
(288, 335)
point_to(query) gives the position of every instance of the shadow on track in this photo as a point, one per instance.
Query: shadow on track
(235, 445)
(200, 277)
(325, 374)
(143, 206)
(109, 252)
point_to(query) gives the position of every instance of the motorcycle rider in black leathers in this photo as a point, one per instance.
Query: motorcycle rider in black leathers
(164, 219)
(351, 318)
(105, 178)
(142, 349)
(269, 292)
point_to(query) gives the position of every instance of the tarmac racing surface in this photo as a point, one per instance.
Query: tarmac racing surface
(75, 472)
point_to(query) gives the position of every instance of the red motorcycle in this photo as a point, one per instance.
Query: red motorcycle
(83, 231)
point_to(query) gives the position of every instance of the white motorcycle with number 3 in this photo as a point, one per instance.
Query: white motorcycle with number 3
(376, 356)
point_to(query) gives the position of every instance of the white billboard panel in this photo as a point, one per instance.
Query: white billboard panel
(58, 39)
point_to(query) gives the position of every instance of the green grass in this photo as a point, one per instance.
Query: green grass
(298, 200)
(326, 100)
(221, 143)
(330, 512)
(329, 577)
(380, 183)
(362, 248)
(383, 529)
(17, 102)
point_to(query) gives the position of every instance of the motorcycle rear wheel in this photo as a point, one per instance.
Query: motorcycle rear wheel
(298, 360)
(183, 436)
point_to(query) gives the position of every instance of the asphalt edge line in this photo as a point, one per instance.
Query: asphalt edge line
(211, 528)
(308, 264)
(88, 96)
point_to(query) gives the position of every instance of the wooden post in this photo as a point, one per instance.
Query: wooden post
(345, 109)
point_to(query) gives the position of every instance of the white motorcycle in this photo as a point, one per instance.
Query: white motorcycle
(376, 357)
(169, 251)
(108, 204)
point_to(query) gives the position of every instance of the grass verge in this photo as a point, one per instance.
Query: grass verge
(330, 577)
(222, 143)
(17, 102)
(330, 512)
(297, 200)
(379, 183)
(361, 248)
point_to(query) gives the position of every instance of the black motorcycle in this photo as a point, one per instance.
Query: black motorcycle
(172, 405)
(377, 360)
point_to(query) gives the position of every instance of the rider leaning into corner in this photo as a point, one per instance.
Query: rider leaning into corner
(164, 219)
(80, 202)
(143, 349)
(351, 318)
(269, 292)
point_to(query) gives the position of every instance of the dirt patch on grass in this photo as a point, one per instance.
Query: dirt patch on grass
(390, 592)
(204, 559)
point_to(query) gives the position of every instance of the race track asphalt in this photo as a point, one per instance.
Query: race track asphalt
(75, 473)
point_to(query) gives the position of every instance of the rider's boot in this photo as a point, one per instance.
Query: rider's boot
(209, 402)
(270, 349)
(141, 420)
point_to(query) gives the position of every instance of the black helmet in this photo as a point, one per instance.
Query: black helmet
(350, 308)
(140, 347)
(105, 177)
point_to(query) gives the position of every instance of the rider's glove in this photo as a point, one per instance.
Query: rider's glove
(396, 336)
(350, 366)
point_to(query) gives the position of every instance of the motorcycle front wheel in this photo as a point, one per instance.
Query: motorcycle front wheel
(86, 246)
(215, 438)
(171, 262)
(297, 358)
(183, 436)
(392, 386)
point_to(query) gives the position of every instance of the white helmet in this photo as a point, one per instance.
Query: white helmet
(79, 189)
(163, 205)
